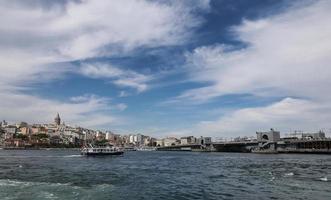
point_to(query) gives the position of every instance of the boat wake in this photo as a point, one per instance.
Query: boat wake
(16, 189)
(289, 174)
(72, 156)
(15, 183)
(325, 179)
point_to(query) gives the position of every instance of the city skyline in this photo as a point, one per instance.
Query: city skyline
(168, 68)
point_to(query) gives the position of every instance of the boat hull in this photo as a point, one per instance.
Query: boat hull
(117, 153)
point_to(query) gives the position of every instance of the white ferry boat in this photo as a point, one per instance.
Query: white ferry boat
(96, 151)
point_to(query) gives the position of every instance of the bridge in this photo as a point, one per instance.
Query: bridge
(240, 146)
(186, 147)
(244, 146)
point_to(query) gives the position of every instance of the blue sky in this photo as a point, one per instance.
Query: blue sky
(168, 68)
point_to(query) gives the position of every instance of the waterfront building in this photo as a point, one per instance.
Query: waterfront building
(21, 124)
(147, 141)
(116, 140)
(187, 140)
(109, 135)
(100, 135)
(4, 124)
(15, 142)
(52, 132)
(309, 136)
(55, 140)
(25, 130)
(113, 138)
(52, 128)
(131, 139)
(125, 139)
(10, 129)
(38, 130)
(159, 143)
(88, 135)
(72, 135)
(243, 139)
(171, 141)
(2, 136)
(204, 140)
(140, 139)
(269, 136)
(153, 142)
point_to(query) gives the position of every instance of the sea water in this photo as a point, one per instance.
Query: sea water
(64, 174)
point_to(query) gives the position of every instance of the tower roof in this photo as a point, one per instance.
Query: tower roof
(57, 119)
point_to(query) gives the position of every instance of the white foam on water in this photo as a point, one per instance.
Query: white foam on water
(72, 156)
(48, 195)
(15, 183)
(289, 174)
(8, 182)
(103, 186)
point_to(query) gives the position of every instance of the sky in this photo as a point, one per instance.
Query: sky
(218, 68)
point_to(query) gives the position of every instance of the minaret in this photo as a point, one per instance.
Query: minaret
(57, 119)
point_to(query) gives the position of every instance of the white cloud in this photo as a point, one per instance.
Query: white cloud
(123, 94)
(121, 106)
(38, 39)
(83, 29)
(34, 36)
(118, 76)
(287, 55)
(286, 115)
(127, 23)
(87, 111)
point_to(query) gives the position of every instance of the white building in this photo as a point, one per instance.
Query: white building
(171, 141)
(188, 140)
(131, 139)
(204, 140)
(270, 136)
(159, 142)
(109, 135)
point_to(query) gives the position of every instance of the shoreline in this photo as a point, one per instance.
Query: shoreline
(39, 148)
(78, 149)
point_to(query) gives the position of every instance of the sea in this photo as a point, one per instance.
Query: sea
(65, 174)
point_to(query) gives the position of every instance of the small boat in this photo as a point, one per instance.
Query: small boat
(146, 148)
(129, 149)
(100, 151)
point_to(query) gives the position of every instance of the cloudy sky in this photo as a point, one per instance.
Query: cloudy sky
(221, 68)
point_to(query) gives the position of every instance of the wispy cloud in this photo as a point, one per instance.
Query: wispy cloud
(85, 111)
(123, 94)
(286, 115)
(286, 55)
(118, 76)
(35, 37)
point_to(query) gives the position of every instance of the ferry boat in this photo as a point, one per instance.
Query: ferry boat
(100, 151)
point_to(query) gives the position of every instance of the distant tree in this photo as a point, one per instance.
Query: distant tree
(101, 142)
(40, 135)
(21, 136)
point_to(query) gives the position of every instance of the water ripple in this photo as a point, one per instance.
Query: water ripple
(163, 175)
